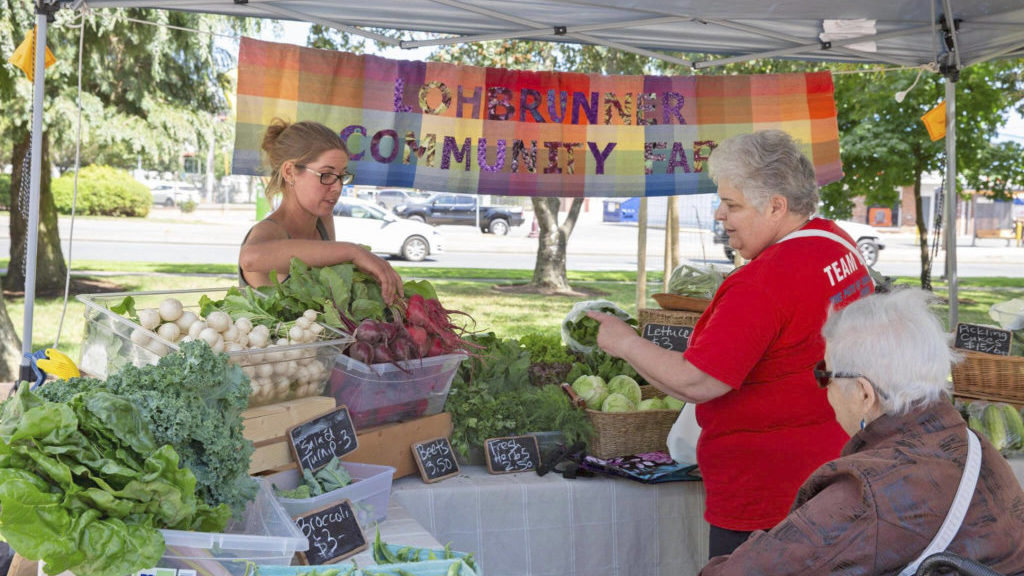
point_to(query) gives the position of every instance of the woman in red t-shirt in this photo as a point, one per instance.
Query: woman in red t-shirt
(765, 425)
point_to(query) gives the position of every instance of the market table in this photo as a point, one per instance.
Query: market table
(525, 524)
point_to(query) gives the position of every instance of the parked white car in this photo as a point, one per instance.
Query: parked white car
(170, 193)
(362, 222)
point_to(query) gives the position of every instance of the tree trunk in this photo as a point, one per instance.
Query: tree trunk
(549, 273)
(10, 345)
(922, 236)
(50, 267)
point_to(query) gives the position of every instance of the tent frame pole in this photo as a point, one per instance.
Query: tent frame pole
(32, 226)
(951, 196)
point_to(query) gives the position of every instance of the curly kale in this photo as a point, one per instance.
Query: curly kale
(193, 401)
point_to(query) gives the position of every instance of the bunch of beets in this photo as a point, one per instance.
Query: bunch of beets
(426, 330)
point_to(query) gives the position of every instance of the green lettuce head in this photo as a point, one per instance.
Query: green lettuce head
(651, 404)
(591, 389)
(626, 386)
(616, 402)
(672, 403)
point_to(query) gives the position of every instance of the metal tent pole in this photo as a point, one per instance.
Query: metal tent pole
(32, 227)
(950, 217)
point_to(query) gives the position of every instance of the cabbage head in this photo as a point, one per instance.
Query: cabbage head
(591, 389)
(651, 404)
(673, 403)
(627, 387)
(616, 402)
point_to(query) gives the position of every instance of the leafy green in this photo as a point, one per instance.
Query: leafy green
(126, 308)
(85, 487)
(491, 395)
(546, 348)
(599, 363)
(584, 329)
(695, 282)
(327, 479)
(192, 400)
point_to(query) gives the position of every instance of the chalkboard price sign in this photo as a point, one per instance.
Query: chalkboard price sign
(315, 442)
(669, 337)
(435, 459)
(983, 339)
(511, 454)
(333, 533)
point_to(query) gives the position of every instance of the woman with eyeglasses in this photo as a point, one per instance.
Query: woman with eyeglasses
(878, 509)
(308, 163)
(765, 425)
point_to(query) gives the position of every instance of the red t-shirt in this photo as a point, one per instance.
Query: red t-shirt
(761, 335)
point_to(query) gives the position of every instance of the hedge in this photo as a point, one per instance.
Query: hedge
(102, 190)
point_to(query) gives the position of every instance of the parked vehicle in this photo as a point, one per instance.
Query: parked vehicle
(868, 241)
(362, 222)
(170, 193)
(389, 198)
(461, 209)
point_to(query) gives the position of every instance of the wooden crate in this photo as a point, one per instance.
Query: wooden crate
(266, 426)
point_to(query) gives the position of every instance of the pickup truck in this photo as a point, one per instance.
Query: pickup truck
(461, 209)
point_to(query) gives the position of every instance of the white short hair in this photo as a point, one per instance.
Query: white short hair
(765, 163)
(897, 342)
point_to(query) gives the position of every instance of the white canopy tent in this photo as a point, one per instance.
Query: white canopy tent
(941, 36)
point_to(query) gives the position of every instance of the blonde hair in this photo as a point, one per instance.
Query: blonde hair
(301, 142)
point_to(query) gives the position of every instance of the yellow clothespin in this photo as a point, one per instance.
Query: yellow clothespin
(24, 56)
(58, 364)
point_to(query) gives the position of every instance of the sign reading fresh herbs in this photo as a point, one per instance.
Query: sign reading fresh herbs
(333, 533)
(435, 459)
(669, 337)
(511, 454)
(315, 442)
(983, 339)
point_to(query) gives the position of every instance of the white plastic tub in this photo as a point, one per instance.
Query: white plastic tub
(107, 346)
(370, 492)
(377, 394)
(266, 535)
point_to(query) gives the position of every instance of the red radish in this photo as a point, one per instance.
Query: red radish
(416, 312)
(436, 347)
(403, 349)
(381, 354)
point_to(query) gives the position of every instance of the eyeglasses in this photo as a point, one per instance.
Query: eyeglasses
(329, 178)
(823, 375)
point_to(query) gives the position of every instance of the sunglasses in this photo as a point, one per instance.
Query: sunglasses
(329, 178)
(824, 376)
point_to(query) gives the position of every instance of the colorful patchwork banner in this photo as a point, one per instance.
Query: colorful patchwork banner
(458, 128)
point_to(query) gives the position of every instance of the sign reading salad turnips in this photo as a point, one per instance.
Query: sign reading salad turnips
(458, 128)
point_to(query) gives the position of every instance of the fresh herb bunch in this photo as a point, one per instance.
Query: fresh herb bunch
(491, 396)
(192, 400)
(546, 348)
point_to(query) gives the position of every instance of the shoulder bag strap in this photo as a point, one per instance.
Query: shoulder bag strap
(830, 236)
(958, 510)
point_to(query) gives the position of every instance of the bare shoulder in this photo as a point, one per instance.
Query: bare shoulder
(266, 230)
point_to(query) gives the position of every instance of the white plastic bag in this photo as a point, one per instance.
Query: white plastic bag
(682, 437)
(579, 310)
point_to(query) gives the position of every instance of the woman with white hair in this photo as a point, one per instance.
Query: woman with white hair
(765, 425)
(911, 465)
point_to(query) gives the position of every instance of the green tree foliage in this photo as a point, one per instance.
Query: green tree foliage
(148, 93)
(102, 190)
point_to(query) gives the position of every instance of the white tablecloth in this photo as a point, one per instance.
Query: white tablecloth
(399, 528)
(524, 524)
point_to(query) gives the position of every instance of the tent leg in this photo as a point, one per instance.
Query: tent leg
(951, 195)
(641, 255)
(32, 227)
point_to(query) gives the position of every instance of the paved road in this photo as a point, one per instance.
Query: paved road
(212, 235)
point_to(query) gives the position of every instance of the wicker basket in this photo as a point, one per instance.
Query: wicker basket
(990, 377)
(626, 433)
(667, 317)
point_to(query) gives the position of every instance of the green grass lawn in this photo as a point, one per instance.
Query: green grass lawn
(470, 290)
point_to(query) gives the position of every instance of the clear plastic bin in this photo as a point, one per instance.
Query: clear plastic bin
(276, 373)
(266, 535)
(369, 492)
(378, 394)
(1009, 314)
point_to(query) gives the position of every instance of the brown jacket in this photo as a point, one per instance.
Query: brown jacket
(875, 509)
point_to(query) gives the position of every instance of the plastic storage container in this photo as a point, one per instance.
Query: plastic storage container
(277, 373)
(266, 535)
(383, 393)
(369, 492)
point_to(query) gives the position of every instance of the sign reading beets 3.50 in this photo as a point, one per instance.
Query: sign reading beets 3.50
(435, 459)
